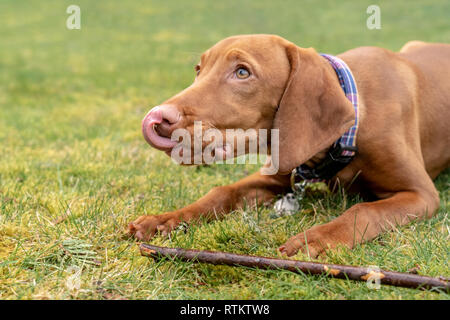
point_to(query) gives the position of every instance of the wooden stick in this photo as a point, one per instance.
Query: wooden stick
(332, 270)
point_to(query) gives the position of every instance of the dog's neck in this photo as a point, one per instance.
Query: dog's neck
(317, 158)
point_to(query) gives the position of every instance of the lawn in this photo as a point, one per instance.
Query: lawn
(74, 168)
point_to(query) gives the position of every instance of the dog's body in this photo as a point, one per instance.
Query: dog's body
(403, 137)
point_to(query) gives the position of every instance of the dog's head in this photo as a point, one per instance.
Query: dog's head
(256, 82)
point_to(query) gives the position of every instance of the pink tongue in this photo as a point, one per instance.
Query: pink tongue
(155, 117)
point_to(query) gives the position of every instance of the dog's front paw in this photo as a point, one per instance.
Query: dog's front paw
(145, 227)
(316, 241)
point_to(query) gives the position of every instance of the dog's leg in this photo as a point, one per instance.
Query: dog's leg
(364, 221)
(256, 188)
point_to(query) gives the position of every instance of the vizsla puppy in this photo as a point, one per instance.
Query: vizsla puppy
(267, 82)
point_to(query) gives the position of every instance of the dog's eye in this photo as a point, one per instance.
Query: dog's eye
(242, 73)
(197, 69)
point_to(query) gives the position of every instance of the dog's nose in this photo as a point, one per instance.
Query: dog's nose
(158, 125)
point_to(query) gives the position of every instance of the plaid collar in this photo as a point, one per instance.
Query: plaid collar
(344, 149)
(348, 84)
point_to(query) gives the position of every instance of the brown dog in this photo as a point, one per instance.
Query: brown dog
(264, 81)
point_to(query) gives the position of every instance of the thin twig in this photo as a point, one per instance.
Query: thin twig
(332, 270)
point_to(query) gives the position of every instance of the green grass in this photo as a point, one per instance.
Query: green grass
(71, 103)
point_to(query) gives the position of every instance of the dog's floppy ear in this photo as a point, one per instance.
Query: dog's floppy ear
(313, 112)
